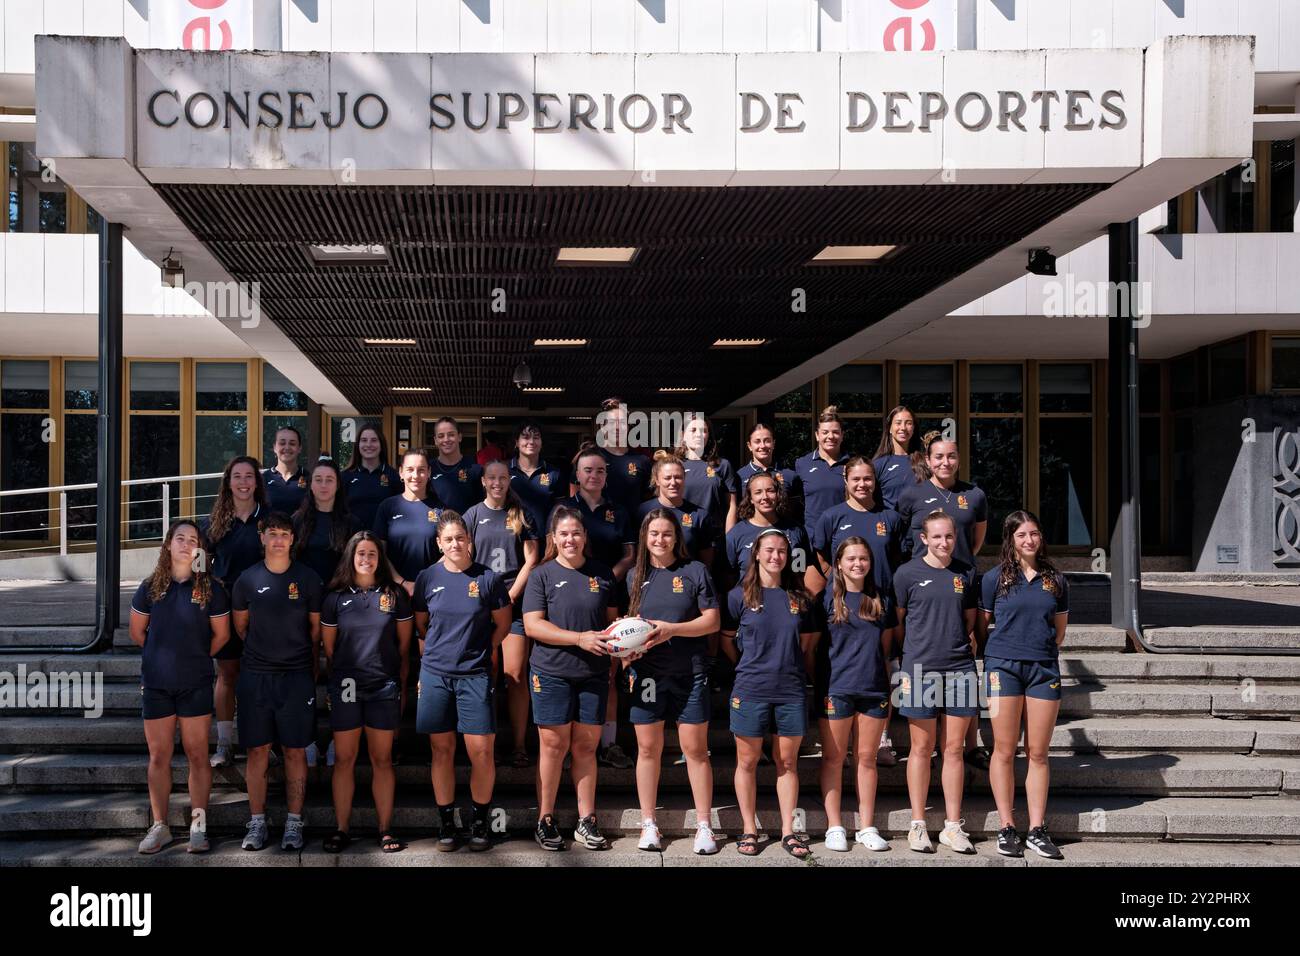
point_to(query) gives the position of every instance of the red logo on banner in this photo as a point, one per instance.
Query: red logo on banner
(198, 33)
(902, 27)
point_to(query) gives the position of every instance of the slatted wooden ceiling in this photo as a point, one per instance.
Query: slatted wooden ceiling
(713, 262)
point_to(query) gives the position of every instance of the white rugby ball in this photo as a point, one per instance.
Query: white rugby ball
(629, 635)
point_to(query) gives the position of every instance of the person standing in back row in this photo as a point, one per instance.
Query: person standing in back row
(821, 471)
(286, 483)
(900, 459)
(627, 471)
(369, 478)
(455, 480)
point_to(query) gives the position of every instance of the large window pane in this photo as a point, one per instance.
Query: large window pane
(80, 444)
(799, 400)
(995, 388)
(1286, 362)
(858, 388)
(1064, 388)
(24, 463)
(926, 388)
(155, 386)
(1228, 370)
(221, 387)
(24, 384)
(279, 394)
(342, 450)
(80, 385)
(1180, 476)
(155, 453)
(1282, 186)
(1182, 382)
(861, 436)
(793, 439)
(1149, 459)
(217, 439)
(1149, 387)
(269, 425)
(996, 465)
(1065, 480)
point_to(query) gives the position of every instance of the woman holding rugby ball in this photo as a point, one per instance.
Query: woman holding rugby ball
(1023, 610)
(769, 633)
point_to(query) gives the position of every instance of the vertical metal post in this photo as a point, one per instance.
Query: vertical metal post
(1123, 464)
(108, 513)
(63, 524)
(166, 507)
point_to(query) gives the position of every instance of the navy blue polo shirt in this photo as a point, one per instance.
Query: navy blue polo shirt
(785, 477)
(771, 668)
(279, 632)
(366, 648)
(179, 635)
(710, 486)
(539, 491)
(881, 528)
(675, 594)
(458, 642)
(366, 489)
(743, 534)
(857, 660)
(935, 601)
(1024, 619)
(699, 530)
(608, 526)
(627, 479)
(495, 544)
(409, 530)
(238, 551)
(966, 504)
(457, 486)
(319, 553)
(893, 475)
(822, 484)
(575, 600)
(285, 494)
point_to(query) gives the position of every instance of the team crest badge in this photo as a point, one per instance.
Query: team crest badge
(386, 603)
(302, 482)
(995, 680)
(609, 515)
(473, 589)
(880, 529)
(461, 476)
(631, 468)
(962, 503)
(679, 587)
(593, 585)
(794, 606)
(780, 478)
(383, 481)
(537, 684)
(545, 480)
(194, 596)
(830, 707)
(710, 472)
(958, 585)
(293, 591)
(433, 515)
(905, 685)
(735, 703)
(687, 521)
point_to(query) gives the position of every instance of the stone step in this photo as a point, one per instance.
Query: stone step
(1138, 773)
(1115, 698)
(1108, 817)
(52, 636)
(1224, 637)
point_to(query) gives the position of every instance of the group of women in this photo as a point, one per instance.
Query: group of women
(825, 575)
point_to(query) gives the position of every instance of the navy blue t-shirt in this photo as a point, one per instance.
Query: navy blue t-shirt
(457, 486)
(785, 477)
(881, 529)
(495, 544)
(934, 628)
(285, 494)
(409, 530)
(608, 526)
(575, 600)
(179, 635)
(539, 492)
(320, 554)
(675, 594)
(965, 503)
(710, 486)
(627, 479)
(822, 484)
(699, 530)
(1024, 619)
(366, 489)
(771, 668)
(366, 648)
(743, 534)
(857, 660)
(893, 475)
(458, 642)
(279, 632)
(238, 551)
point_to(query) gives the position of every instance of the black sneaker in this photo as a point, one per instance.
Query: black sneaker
(478, 836)
(447, 840)
(1009, 842)
(548, 834)
(589, 835)
(1042, 844)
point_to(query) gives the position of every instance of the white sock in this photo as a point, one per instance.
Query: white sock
(648, 822)
(258, 818)
(608, 732)
(225, 730)
(922, 822)
(952, 824)
(292, 817)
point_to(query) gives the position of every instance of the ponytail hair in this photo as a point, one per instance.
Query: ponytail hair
(558, 514)
(516, 516)
(662, 458)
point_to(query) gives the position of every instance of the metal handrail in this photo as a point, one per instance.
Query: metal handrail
(132, 481)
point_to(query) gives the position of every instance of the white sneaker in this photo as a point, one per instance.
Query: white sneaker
(292, 839)
(313, 754)
(650, 838)
(198, 841)
(836, 839)
(255, 837)
(870, 838)
(705, 843)
(221, 757)
(329, 754)
(159, 835)
(955, 838)
(917, 839)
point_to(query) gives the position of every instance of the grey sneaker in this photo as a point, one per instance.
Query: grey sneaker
(198, 841)
(292, 839)
(221, 757)
(613, 756)
(255, 836)
(159, 835)
(589, 835)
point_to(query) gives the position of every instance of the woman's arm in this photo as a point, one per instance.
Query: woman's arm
(982, 619)
(240, 619)
(704, 625)
(968, 618)
(313, 622)
(731, 511)
(729, 646)
(329, 634)
(525, 569)
(1062, 619)
(404, 651)
(139, 627)
(625, 565)
(539, 628)
(887, 642)
(220, 632)
(981, 528)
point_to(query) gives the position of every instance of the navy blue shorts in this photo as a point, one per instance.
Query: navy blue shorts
(192, 702)
(377, 706)
(752, 718)
(1040, 680)
(462, 704)
(841, 706)
(232, 650)
(681, 698)
(955, 693)
(565, 700)
(276, 708)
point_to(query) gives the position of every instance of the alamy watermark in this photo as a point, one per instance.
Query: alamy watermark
(620, 428)
(22, 689)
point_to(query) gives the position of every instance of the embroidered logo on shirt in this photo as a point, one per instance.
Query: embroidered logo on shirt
(484, 520)
(544, 480)
(195, 597)
(537, 684)
(995, 680)
(383, 481)
(631, 468)
(345, 603)
(460, 475)
(593, 585)
(830, 707)
(930, 501)
(293, 591)
(880, 529)
(735, 703)
(302, 482)
(687, 521)
(958, 585)
(560, 584)
(609, 515)
(844, 527)
(437, 589)
(921, 584)
(891, 467)
(473, 589)
(679, 586)
(264, 590)
(812, 469)
(962, 503)
(710, 472)
(433, 514)
(794, 606)
(386, 603)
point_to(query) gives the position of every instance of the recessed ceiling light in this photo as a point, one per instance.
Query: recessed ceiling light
(679, 389)
(595, 255)
(335, 255)
(579, 418)
(542, 388)
(560, 343)
(852, 255)
(411, 388)
(389, 342)
(739, 343)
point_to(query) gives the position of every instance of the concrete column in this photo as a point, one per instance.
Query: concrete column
(108, 512)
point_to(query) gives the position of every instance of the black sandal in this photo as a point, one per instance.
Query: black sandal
(390, 844)
(793, 843)
(336, 842)
(747, 845)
